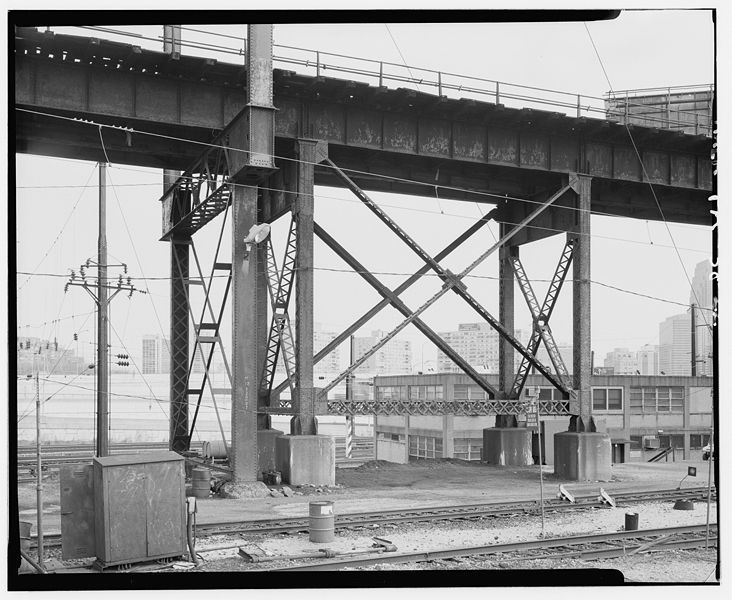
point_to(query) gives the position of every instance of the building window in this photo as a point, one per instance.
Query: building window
(649, 400)
(425, 392)
(607, 398)
(468, 448)
(422, 446)
(469, 391)
(391, 392)
(698, 440)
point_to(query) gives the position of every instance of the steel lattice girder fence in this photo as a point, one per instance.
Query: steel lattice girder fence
(444, 407)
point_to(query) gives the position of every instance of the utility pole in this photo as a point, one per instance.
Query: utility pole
(102, 322)
(693, 340)
(39, 474)
(102, 300)
(350, 419)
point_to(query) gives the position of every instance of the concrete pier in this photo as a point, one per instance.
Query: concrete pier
(582, 456)
(266, 449)
(306, 459)
(507, 446)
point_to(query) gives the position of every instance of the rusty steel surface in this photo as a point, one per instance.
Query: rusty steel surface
(480, 144)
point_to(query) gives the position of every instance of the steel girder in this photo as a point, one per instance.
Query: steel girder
(179, 437)
(456, 280)
(450, 279)
(465, 408)
(279, 283)
(369, 314)
(540, 316)
(402, 308)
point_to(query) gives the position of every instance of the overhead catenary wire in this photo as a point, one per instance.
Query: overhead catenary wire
(61, 231)
(429, 274)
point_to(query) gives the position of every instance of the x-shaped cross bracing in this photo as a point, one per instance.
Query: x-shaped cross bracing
(540, 315)
(451, 282)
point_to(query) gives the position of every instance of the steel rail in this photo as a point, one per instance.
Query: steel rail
(461, 512)
(563, 542)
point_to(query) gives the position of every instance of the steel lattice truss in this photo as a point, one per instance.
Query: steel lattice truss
(463, 408)
(540, 315)
(280, 284)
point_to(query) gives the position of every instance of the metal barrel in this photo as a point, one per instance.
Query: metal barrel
(322, 522)
(631, 521)
(201, 482)
(214, 449)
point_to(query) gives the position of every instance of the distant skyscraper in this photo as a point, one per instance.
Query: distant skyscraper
(566, 351)
(394, 358)
(674, 349)
(622, 361)
(477, 343)
(332, 362)
(155, 354)
(701, 295)
(648, 360)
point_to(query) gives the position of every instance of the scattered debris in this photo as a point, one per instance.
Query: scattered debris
(287, 491)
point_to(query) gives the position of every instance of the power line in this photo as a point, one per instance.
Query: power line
(63, 227)
(391, 35)
(650, 185)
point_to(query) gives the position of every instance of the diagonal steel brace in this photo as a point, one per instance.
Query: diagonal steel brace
(450, 284)
(402, 308)
(449, 278)
(540, 315)
(373, 311)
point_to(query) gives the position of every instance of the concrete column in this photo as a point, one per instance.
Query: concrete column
(581, 305)
(448, 436)
(245, 362)
(506, 371)
(304, 422)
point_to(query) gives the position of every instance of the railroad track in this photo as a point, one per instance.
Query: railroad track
(464, 512)
(587, 547)
(53, 457)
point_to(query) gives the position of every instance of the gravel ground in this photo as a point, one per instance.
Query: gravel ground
(674, 566)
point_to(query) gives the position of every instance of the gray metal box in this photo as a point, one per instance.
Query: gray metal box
(139, 507)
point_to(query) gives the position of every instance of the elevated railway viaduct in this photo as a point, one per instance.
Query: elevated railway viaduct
(264, 147)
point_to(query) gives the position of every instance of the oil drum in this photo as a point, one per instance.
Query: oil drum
(322, 522)
(631, 521)
(201, 481)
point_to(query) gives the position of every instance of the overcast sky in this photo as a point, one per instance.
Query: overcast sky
(56, 226)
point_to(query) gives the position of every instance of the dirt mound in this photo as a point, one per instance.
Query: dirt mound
(377, 464)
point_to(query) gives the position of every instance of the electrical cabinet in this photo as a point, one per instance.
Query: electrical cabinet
(139, 507)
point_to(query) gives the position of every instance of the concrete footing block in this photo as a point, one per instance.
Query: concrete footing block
(507, 446)
(266, 450)
(582, 456)
(306, 459)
